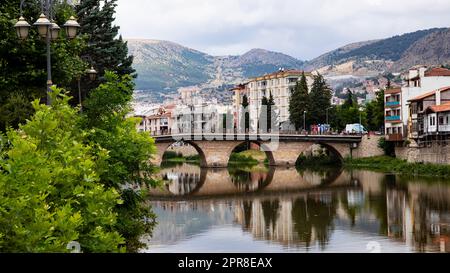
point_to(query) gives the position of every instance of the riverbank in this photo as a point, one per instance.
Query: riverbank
(394, 165)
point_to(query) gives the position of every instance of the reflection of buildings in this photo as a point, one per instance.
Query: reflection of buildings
(182, 180)
(420, 217)
(290, 222)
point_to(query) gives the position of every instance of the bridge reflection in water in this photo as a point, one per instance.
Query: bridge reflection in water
(284, 209)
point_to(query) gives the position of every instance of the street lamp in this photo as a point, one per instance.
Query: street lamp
(22, 28)
(92, 73)
(43, 25)
(71, 27)
(327, 114)
(360, 120)
(54, 31)
(304, 120)
(47, 29)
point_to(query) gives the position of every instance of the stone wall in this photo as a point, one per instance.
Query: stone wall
(435, 153)
(368, 147)
(185, 150)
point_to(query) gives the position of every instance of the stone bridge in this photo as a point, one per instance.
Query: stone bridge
(281, 149)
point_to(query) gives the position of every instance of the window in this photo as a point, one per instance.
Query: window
(441, 120)
(432, 121)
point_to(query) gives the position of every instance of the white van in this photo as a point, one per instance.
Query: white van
(355, 128)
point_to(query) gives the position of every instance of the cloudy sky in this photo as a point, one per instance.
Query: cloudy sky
(301, 28)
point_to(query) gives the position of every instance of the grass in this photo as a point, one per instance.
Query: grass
(240, 159)
(260, 156)
(394, 165)
(174, 157)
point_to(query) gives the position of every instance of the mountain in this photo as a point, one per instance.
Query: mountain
(260, 61)
(163, 65)
(430, 50)
(166, 65)
(374, 57)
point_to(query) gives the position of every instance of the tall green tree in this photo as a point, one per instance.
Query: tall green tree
(245, 119)
(106, 50)
(272, 119)
(319, 100)
(263, 115)
(350, 101)
(128, 167)
(299, 102)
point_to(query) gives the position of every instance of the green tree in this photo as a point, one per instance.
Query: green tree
(106, 50)
(299, 102)
(272, 116)
(246, 118)
(350, 101)
(263, 117)
(375, 112)
(50, 190)
(105, 118)
(319, 100)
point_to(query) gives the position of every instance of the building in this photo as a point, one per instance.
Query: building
(417, 81)
(158, 121)
(188, 94)
(193, 113)
(430, 116)
(280, 84)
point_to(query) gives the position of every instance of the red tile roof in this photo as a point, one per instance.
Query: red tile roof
(440, 108)
(280, 74)
(393, 91)
(437, 72)
(423, 96)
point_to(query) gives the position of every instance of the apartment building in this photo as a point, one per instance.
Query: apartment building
(280, 84)
(418, 81)
(158, 121)
(430, 115)
(193, 113)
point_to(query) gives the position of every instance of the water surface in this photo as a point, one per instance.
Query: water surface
(287, 210)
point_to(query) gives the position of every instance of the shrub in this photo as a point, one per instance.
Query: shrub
(50, 190)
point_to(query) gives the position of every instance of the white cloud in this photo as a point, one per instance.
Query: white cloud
(304, 29)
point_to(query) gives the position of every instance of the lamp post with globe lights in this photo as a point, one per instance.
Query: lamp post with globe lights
(48, 30)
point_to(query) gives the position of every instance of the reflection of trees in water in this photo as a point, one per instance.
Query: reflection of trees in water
(247, 205)
(270, 211)
(182, 182)
(250, 181)
(314, 214)
(327, 174)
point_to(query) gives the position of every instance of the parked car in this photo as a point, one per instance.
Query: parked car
(355, 128)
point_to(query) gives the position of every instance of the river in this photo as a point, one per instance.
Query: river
(289, 210)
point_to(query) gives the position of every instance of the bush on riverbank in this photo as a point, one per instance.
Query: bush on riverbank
(321, 158)
(237, 158)
(171, 156)
(391, 164)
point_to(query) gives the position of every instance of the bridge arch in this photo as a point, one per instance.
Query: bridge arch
(262, 146)
(163, 147)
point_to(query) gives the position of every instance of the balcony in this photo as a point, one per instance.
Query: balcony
(394, 137)
(392, 103)
(393, 118)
